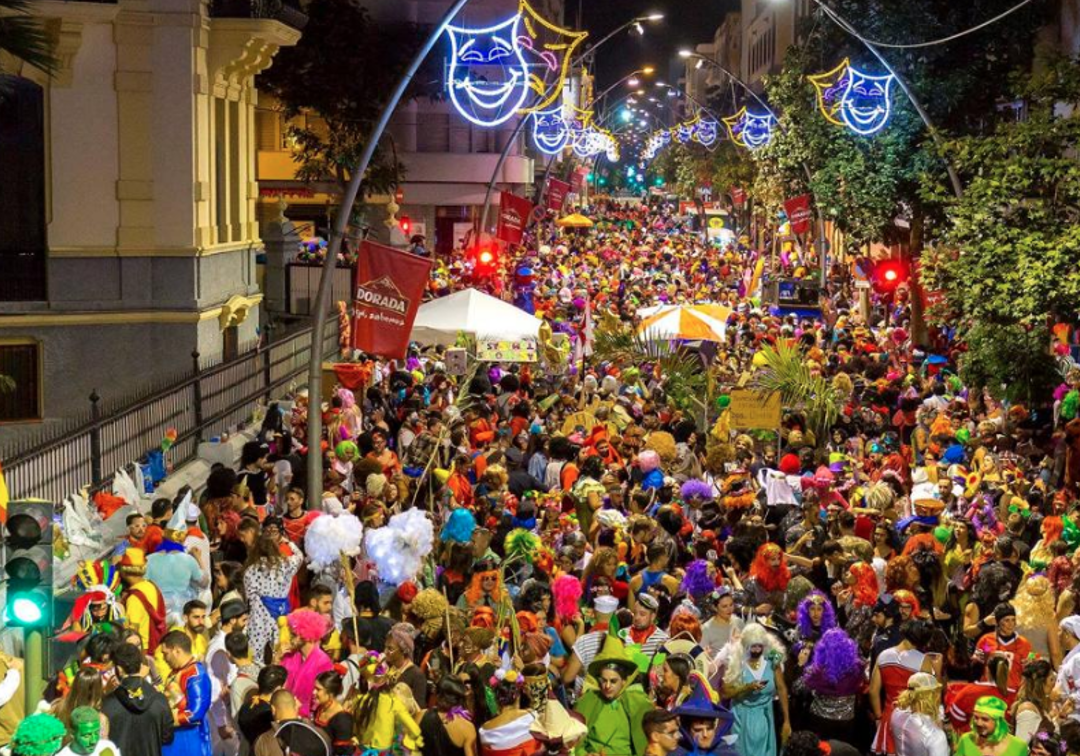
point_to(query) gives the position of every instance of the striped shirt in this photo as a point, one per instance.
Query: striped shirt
(588, 646)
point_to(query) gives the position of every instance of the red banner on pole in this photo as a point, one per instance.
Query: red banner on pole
(556, 194)
(513, 216)
(579, 178)
(798, 213)
(738, 195)
(387, 287)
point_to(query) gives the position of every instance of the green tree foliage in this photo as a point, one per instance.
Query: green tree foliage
(864, 182)
(785, 371)
(343, 70)
(1007, 264)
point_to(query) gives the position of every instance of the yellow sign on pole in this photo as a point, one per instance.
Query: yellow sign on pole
(751, 410)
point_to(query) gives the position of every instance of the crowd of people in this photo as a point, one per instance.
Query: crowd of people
(562, 557)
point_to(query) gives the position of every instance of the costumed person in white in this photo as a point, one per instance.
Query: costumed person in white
(1068, 676)
(916, 720)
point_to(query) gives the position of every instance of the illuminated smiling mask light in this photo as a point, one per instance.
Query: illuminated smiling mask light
(488, 76)
(866, 104)
(750, 130)
(549, 50)
(858, 101)
(551, 133)
(706, 132)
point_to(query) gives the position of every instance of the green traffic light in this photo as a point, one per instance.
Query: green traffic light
(588, 177)
(25, 611)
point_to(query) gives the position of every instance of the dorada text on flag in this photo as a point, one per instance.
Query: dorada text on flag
(382, 293)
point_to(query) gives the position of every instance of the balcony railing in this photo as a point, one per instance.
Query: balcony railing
(275, 10)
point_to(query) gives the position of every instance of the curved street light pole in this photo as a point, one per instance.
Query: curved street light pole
(337, 236)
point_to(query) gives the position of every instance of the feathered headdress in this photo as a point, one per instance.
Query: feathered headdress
(398, 548)
(521, 545)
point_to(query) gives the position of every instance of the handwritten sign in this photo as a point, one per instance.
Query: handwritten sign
(750, 410)
(493, 350)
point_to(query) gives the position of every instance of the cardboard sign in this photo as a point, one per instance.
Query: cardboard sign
(749, 410)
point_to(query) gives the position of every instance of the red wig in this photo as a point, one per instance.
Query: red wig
(923, 542)
(907, 597)
(685, 624)
(865, 589)
(1052, 528)
(768, 577)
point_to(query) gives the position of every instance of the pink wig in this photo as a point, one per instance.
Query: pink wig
(648, 460)
(567, 592)
(308, 625)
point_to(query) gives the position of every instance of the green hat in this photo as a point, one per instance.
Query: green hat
(994, 707)
(613, 655)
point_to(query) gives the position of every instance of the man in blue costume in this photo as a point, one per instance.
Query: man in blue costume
(188, 691)
(705, 724)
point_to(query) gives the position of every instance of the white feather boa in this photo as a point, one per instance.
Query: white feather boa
(398, 549)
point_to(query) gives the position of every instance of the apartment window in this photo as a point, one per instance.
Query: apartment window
(20, 381)
(22, 191)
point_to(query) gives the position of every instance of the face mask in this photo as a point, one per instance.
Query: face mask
(756, 653)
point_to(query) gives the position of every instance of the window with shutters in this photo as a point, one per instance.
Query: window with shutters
(20, 381)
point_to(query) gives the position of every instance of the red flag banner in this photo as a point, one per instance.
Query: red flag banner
(513, 216)
(579, 179)
(798, 213)
(387, 287)
(738, 195)
(556, 194)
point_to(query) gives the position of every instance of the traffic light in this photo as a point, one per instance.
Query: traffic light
(406, 225)
(888, 275)
(485, 262)
(28, 564)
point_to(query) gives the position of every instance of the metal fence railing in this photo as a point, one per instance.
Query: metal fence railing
(209, 401)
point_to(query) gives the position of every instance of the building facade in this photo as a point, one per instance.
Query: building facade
(128, 235)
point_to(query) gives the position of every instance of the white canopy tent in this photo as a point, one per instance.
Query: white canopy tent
(474, 313)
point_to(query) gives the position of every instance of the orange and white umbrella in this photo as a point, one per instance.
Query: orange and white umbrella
(703, 322)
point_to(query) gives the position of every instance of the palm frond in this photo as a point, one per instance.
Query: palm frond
(24, 36)
(785, 372)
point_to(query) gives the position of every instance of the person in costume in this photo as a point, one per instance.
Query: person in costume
(916, 721)
(306, 660)
(144, 605)
(752, 680)
(447, 727)
(98, 609)
(189, 691)
(38, 735)
(706, 725)
(86, 737)
(890, 676)
(379, 715)
(614, 708)
(834, 678)
(268, 578)
(507, 732)
(769, 577)
(1005, 641)
(989, 734)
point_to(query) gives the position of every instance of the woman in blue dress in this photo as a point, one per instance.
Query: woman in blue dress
(753, 679)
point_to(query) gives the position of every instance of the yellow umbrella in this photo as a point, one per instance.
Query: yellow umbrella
(574, 220)
(704, 322)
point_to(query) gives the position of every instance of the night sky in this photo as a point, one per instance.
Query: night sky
(686, 23)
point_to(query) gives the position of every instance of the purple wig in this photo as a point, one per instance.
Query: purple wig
(698, 488)
(836, 669)
(697, 581)
(828, 617)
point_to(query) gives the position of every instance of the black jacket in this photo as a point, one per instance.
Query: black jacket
(140, 721)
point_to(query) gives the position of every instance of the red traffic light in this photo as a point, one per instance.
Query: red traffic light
(486, 258)
(405, 224)
(888, 275)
